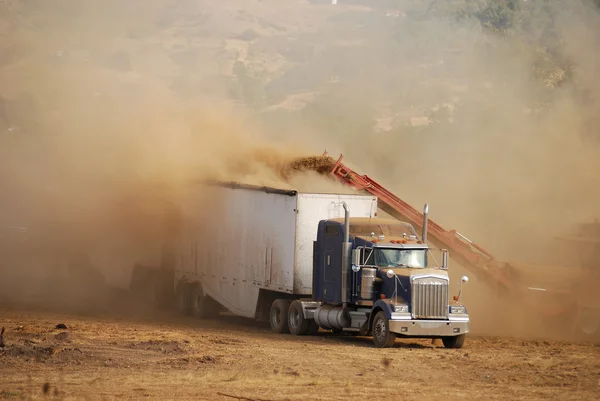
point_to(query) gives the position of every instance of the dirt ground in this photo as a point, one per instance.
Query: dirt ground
(163, 356)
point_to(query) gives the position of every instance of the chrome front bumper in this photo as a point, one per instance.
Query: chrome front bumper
(429, 328)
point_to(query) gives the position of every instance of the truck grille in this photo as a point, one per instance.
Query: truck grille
(430, 298)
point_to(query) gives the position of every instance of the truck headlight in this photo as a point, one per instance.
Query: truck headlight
(401, 308)
(458, 310)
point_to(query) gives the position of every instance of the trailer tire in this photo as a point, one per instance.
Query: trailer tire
(297, 323)
(182, 294)
(202, 306)
(278, 315)
(454, 341)
(382, 336)
(588, 324)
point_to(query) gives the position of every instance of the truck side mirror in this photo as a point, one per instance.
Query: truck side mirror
(356, 257)
(445, 259)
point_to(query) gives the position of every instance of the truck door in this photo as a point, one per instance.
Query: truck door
(332, 263)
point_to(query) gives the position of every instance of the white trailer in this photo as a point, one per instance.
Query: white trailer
(244, 246)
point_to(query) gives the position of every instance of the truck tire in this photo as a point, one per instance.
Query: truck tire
(382, 336)
(278, 315)
(454, 341)
(297, 324)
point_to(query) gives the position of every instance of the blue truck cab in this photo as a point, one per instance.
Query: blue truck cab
(376, 277)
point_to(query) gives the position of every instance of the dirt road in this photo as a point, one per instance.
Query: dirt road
(165, 357)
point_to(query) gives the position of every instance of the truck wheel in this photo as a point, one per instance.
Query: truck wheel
(454, 341)
(297, 324)
(278, 315)
(382, 336)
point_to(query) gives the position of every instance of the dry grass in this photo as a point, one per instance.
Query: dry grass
(167, 357)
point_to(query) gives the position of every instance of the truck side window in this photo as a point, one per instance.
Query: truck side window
(332, 231)
(369, 254)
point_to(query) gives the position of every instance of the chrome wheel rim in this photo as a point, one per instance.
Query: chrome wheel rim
(275, 317)
(197, 303)
(294, 320)
(379, 329)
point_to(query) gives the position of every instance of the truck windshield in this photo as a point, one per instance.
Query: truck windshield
(381, 257)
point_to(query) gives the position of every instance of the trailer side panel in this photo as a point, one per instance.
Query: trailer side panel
(244, 242)
(311, 209)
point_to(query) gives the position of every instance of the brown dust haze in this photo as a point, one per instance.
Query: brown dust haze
(109, 109)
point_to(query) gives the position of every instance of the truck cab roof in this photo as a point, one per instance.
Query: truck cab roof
(388, 227)
(387, 232)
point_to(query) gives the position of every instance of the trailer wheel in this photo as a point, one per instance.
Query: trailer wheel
(182, 294)
(278, 315)
(196, 300)
(297, 324)
(588, 323)
(454, 341)
(382, 336)
(202, 306)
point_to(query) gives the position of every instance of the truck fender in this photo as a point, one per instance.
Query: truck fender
(384, 306)
(377, 306)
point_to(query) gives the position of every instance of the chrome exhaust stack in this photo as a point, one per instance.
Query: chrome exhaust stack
(424, 234)
(346, 257)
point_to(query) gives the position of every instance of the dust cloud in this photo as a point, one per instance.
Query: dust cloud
(109, 110)
(106, 118)
(510, 141)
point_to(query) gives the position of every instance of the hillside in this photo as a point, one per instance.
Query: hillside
(474, 107)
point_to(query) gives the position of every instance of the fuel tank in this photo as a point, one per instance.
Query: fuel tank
(330, 317)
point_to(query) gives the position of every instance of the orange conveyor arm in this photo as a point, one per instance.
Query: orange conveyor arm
(472, 256)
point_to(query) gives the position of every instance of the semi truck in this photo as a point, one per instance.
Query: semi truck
(309, 261)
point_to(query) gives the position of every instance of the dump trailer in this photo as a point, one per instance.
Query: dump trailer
(305, 261)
